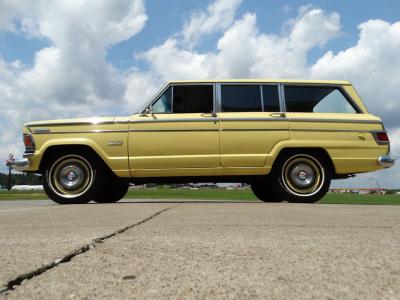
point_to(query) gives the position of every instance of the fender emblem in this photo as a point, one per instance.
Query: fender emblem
(115, 143)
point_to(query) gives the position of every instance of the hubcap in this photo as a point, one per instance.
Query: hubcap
(303, 175)
(70, 176)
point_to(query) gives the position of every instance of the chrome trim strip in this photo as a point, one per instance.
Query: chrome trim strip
(219, 101)
(262, 97)
(256, 129)
(282, 101)
(330, 130)
(334, 121)
(204, 119)
(281, 119)
(171, 130)
(386, 161)
(84, 131)
(72, 123)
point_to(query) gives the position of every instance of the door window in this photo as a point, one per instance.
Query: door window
(240, 98)
(270, 97)
(193, 99)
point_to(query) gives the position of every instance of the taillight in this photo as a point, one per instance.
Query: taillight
(28, 141)
(381, 137)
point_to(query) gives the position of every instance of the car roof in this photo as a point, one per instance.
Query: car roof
(294, 81)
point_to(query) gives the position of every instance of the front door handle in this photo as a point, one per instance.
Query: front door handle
(278, 115)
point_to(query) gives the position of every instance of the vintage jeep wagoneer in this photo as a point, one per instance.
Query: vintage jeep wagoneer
(286, 138)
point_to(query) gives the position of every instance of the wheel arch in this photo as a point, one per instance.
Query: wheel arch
(307, 150)
(74, 148)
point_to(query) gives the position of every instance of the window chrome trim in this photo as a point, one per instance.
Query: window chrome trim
(282, 101)
(262, 97)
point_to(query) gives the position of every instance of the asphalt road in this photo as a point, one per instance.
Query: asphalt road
(202, 250)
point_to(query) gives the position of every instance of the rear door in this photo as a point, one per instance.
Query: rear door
(252, 123)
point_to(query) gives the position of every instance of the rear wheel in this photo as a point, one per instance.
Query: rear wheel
(114, 191)
(72, 178)
(302, 178)
(262, 189)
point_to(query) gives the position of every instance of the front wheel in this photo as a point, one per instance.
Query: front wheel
(301, 178)
(72, 178)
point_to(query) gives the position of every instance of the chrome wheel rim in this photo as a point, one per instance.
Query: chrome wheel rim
(70, 176)
(303, 175)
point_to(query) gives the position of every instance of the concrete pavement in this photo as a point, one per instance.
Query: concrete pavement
(170, 249)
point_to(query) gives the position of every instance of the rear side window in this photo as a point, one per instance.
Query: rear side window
(193, 99)
(240, 98)
(316, 99)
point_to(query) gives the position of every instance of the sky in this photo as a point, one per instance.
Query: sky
(81, 58)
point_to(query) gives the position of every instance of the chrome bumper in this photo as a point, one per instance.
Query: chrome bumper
(386, 161)
(20, 164)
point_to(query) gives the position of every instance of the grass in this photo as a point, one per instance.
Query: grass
(216, 194)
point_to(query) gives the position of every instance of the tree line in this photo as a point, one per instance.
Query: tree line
(19, 179)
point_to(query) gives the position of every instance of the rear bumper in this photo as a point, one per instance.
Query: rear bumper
(386, 161)
(20, 164)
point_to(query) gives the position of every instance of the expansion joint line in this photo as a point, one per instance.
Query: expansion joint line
(17, 281)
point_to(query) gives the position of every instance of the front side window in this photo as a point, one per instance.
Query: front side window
(193, 99)
(316, 99)
(240, 98)
(163, 104)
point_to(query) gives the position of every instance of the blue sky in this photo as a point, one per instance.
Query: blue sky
(98, 57)
(167, 17)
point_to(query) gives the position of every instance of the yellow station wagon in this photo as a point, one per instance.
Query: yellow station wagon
(286, 138)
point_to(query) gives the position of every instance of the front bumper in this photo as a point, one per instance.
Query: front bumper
(386, 161)
(20, 164)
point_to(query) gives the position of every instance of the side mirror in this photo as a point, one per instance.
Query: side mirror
(147, 111)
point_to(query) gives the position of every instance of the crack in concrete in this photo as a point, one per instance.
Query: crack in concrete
(17, 281)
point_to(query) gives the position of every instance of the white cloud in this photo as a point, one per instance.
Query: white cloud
(70, 77)
(219, 15)
(373, 67)
(243, 51)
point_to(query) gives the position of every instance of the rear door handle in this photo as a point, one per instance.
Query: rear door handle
(209, 115)
(278, 115)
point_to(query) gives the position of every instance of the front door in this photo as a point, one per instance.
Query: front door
(180, 131)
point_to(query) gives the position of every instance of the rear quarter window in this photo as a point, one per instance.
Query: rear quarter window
(317, 99)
